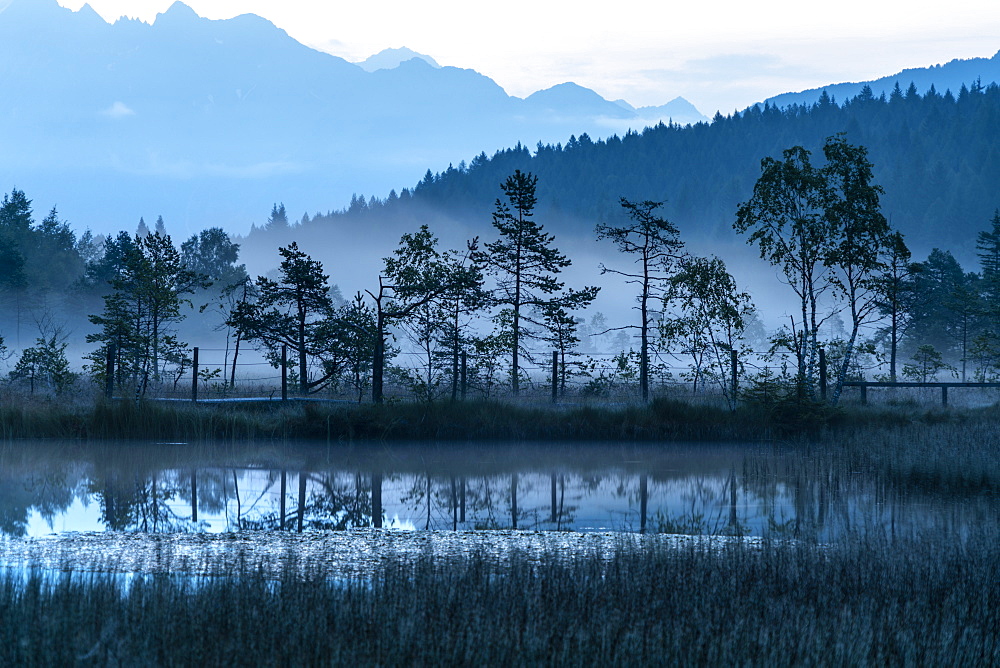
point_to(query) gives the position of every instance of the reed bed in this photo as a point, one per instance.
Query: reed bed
(956, 455)
(662, 420)
(871, 602)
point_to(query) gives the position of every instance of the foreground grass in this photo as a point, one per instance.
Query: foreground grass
(869, 603)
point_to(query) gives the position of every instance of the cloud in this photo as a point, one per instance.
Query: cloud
(118, 110)
(732, 81)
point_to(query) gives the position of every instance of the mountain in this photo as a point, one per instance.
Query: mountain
(209, 122)
(570, 99)
(388, 59)
(950, 76)
(678, 110)
(936, 156)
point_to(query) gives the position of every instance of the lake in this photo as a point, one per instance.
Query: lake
(57, 488)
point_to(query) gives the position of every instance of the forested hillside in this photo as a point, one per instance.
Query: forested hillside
(937, 156)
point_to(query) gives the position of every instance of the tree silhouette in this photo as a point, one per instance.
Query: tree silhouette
(655, 244)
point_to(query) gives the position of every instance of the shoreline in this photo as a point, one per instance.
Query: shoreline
(355, 553)
(482, 421)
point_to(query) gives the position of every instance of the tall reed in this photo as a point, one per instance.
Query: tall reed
(872, 602)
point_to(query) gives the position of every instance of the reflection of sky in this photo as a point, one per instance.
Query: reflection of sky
(82, 515)
(594, 503)
(684, 496)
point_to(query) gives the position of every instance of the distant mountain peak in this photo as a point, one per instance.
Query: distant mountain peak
(87, 10)
(677, 110)
(571, 99)
(390, 59)
(565, 88)
(178, 10)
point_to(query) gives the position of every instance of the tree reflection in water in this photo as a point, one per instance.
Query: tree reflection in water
(732, 491)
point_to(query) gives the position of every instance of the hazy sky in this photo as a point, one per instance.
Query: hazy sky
(724, 54)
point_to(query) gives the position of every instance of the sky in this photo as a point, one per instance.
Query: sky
(722, 55)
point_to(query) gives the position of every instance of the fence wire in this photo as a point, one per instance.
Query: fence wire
(599, 377)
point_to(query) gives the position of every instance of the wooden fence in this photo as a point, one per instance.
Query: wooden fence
(864, 385)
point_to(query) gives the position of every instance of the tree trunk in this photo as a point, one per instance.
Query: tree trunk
(156, 342)
(893, 343)
(849, 353)
(379, 358)
(303, 378)
(515, 366)
(644, 344)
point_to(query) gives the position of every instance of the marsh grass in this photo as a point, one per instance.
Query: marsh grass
(873, 602)
(943, 450)
(475, 420)
(953, 455)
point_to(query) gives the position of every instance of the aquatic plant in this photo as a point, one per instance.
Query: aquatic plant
(875, 601)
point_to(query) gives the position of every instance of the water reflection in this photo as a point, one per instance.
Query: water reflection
(708, 490)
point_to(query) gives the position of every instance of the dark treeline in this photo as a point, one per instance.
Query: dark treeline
(132, 289)
(937, 156)
(863, 298)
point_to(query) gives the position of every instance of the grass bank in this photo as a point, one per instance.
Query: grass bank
(662, 420)
(941, 451)
(872, 602)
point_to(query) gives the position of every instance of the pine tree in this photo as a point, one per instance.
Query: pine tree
(988, 245)
(655, 244)
(15, 226)
(278, 220)
(148, 283)
(292, 311)
(524, 264)
(416, 277)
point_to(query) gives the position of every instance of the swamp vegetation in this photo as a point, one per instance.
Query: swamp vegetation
(663, 419)
(872, 602)
(875, 593)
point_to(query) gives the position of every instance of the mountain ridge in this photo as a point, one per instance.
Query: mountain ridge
(174, 113)
(948, 76)
(388, 59)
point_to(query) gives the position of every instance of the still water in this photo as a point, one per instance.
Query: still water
(55, 488)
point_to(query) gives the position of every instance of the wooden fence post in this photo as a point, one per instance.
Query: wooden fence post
(194, 375)
(944, 396)
(864, 394)
(284, 373)
(555, 376)
(822, 374)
